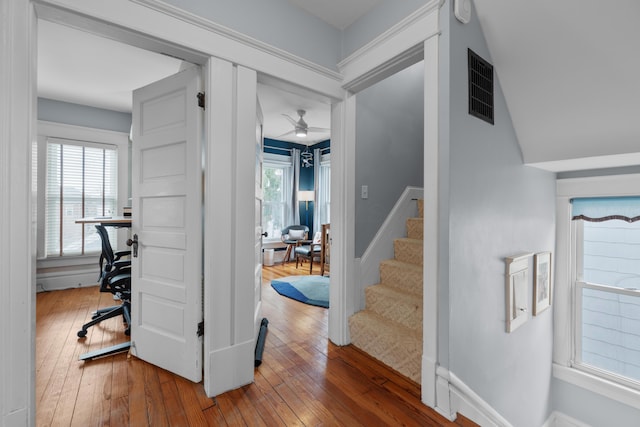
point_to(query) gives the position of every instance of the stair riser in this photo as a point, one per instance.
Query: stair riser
(401, 352)
(405, 311)
(401, 277)
(408, 251)
(415, 228)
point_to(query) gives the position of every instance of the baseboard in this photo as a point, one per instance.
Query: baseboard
(558, 419)
(230, 367)
(54, 281)
(454, 396)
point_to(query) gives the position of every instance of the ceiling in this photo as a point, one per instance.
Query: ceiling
(338, 13)
(568, 71)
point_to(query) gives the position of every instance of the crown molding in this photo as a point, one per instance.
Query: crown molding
(207, 24)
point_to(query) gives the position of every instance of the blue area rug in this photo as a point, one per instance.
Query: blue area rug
(312, 290)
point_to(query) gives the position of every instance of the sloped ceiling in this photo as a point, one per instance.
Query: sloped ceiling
(569, 71)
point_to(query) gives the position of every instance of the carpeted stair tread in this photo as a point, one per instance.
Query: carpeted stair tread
(408, 250)
(401, 275)
(415, 228)
(396, 305)
(393, 344)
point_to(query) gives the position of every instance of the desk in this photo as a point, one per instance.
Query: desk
(107, 221)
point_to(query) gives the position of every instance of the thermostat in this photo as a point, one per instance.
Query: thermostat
(462, 10)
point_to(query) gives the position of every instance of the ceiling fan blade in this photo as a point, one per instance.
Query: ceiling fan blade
(316, 129)
(293, 122)
(292, 132)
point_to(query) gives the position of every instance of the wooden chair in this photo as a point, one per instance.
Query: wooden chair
(325, 249)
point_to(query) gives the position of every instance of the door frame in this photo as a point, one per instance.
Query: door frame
(161, 27)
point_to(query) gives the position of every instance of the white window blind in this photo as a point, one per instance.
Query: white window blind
(81, 182)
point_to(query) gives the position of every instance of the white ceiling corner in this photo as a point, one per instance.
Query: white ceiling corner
(337, 13)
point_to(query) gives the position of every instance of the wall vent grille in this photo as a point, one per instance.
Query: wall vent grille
(480, 87)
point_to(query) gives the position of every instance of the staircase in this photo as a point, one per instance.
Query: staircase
(390, 326)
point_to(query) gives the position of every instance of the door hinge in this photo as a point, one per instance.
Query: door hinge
(200, 331)
(201, 99)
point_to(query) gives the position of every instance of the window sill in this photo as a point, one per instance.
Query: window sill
(595, 384)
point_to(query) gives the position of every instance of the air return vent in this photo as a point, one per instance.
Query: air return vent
(480, 87)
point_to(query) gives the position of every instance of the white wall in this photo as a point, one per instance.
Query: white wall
(498, 208)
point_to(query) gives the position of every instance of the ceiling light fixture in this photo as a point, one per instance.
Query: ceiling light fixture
(301, 132)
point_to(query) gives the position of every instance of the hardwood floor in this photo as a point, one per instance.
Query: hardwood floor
(304, 379)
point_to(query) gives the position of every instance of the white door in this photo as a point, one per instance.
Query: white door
(166, 300)
(258, 221)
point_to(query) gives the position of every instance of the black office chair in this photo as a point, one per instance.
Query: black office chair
(110, 260)
(115, 278)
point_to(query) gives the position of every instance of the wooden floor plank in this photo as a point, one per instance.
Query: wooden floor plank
(304, 379)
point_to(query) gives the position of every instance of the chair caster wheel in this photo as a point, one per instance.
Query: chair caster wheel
(82, 333)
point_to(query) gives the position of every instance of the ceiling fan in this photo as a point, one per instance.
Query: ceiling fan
(301, 128)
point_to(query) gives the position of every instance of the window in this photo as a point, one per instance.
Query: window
(277, 186)
(324, 191)
(607, 299)
(597, 297)
(81, 181)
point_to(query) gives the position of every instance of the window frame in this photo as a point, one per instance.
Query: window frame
(92, 136)
(566, 316)
(280, 161)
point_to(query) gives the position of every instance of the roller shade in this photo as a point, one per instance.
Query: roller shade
(598, 209)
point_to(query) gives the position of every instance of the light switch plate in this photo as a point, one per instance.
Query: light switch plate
(364, 193)
(517, 284)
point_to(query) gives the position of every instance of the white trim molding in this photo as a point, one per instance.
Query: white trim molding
(231, 34)
(558, 419)
(17, 226)
(456, 397)
(393, 50)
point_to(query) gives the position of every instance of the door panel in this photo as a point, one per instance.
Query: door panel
(258, 221)
(166, 296)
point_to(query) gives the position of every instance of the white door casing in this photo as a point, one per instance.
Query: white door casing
(257, 319)
(166, 301)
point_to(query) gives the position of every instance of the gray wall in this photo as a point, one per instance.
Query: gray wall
(591, 408)
(389, 148)
(81, 115)
(498, 208)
